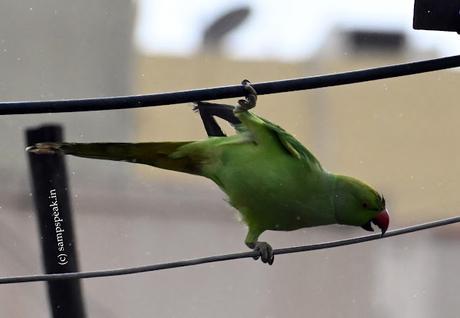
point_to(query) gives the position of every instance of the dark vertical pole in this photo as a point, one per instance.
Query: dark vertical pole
(52, 202)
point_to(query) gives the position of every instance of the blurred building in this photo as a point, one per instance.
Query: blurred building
(397, 134)
(51, 50)
(58, 50)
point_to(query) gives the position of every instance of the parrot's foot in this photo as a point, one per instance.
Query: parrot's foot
(265, 252)
(250, 99)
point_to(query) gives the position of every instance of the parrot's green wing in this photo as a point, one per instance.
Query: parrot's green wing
(292, 146)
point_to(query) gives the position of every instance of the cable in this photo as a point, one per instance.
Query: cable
(136, 101)
(227, 257)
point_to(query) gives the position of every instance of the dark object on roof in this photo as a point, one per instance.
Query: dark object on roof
(440, 15)
(378, 41)
(222, 26)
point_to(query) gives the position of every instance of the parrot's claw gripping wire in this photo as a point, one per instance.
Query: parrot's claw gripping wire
(265, 252)
(250, 100)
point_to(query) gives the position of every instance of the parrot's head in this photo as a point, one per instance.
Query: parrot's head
(358, 204)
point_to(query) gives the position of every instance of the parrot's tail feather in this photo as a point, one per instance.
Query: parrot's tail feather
(165, 155)
(44, 148)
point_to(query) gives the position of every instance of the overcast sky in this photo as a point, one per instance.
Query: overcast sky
(285, 30)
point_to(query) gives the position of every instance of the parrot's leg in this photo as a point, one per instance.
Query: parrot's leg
(263, 248)
(208, 110)
(250, 99)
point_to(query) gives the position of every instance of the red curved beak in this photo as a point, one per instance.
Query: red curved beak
(382, 220)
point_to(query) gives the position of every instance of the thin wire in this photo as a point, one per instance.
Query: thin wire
(227, 257)
(189, 96)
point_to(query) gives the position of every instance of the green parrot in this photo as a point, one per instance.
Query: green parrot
(269, 177)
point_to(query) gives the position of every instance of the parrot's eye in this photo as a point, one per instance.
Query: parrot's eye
(365, 205)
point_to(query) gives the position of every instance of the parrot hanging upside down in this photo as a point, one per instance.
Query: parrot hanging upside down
(270, 177)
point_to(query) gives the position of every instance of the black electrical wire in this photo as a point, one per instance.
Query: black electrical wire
(226, 257)
(189, 96)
